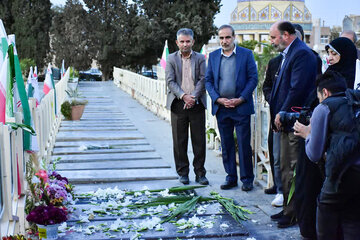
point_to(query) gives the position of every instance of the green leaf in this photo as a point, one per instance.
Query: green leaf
(24, 127)
(185, 207)
(292, 188)
(237, 212)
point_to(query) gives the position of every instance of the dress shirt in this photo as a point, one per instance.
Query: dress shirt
(187, 83)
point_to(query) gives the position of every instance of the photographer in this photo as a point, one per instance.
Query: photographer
(333, 130)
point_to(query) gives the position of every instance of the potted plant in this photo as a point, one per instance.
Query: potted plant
(73, 108)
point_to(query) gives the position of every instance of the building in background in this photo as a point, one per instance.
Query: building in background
(252, 19)
(320, 37)
(352, 22)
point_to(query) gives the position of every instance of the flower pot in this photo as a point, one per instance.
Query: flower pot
(48, 231)
(77, 112)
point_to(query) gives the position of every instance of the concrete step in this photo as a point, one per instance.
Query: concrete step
(94, 123)
(106, 157)
(118, 149)
(98, 128)
(116, 175)
(103, 116)
(104, 135)
(108, 165)
(115, 143)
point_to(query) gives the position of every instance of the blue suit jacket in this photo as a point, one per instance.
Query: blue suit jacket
(246, 79)
(296, 79)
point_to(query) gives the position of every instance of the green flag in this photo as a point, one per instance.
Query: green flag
(19, 89)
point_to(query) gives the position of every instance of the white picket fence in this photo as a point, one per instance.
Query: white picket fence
(13, 158)
(152, 94)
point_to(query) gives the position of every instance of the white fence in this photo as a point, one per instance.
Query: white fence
(12, 162)
(152, 94)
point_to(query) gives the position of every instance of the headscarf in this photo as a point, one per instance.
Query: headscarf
(348, 55)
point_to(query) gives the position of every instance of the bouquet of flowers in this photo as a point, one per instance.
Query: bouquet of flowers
(50, 193)
(47, 215)
(16, 237)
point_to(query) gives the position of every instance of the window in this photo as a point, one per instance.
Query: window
(324, 39)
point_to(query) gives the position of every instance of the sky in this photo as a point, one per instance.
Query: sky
(331, 11)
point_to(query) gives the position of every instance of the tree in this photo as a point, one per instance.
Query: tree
(30, 22)
(335, 32)
(262, 59)
(110, 33)
(5, 13)
(70, 36)
(164, 18)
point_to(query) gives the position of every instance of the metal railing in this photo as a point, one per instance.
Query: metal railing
(152, 94)
(13, 157)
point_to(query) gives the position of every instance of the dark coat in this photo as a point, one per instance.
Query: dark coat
(296, 79)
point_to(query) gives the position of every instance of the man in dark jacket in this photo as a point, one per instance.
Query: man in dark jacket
(296, 79)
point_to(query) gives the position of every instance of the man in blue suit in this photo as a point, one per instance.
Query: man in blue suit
(231, 78)
(293, 85)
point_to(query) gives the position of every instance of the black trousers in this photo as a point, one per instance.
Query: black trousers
(309, 180)
(338, 212)
(181, 120)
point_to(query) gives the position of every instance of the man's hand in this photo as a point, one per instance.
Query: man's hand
(277, 122)
(301, 130)
(229, 103)
(189, 101)
(234, 102)
(222, 101)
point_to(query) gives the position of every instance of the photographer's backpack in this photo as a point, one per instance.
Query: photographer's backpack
(353, 97)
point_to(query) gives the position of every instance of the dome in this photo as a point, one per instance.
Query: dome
(252, 19)
(270, 11)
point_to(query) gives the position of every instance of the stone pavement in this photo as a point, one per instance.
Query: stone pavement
(141, 155)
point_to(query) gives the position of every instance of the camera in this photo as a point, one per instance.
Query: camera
(288, 119)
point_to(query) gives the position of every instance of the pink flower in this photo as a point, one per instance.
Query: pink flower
(42, 174)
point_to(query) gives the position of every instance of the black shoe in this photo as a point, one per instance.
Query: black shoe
(184, 180)
(277, 217)
(202, 180)
(247, 187)
(271, 190)
(228, 185)
(286, 221)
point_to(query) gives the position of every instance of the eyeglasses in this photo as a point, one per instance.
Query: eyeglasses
(227, 37)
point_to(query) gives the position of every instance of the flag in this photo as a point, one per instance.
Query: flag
(164, 56)
(33, 85)
(3, 42)
(19, 89)
(357, 75)
(4, 71)
(62, 68)
(31, 82)
(4, 76)
(49, 84)
(203, 51)
(12, 98)
(325, 64)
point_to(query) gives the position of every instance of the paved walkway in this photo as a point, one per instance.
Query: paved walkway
(141, 155)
